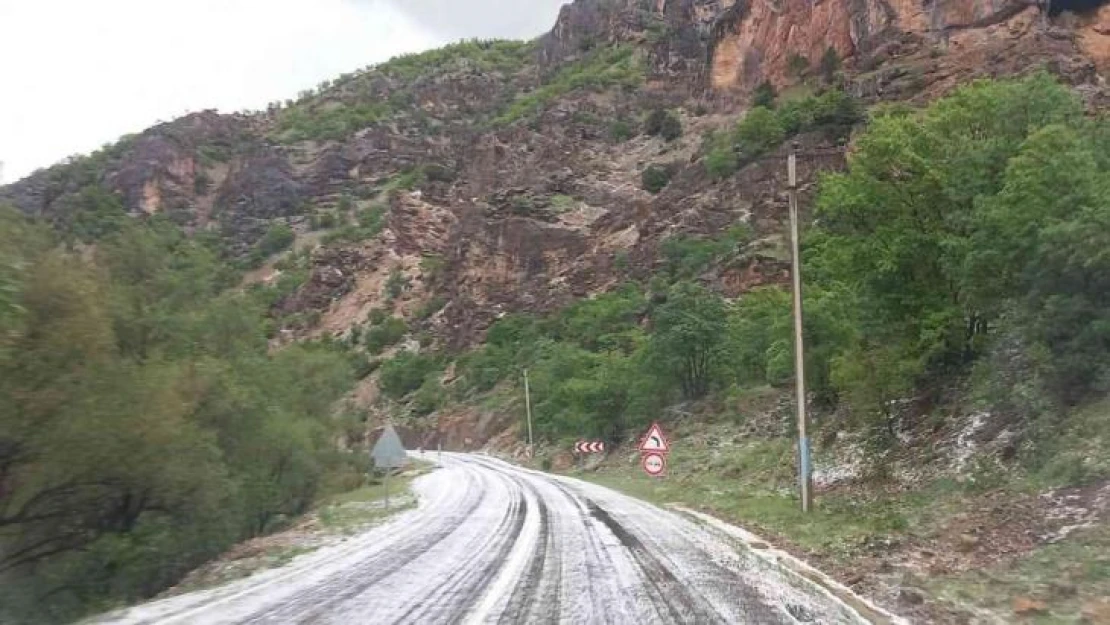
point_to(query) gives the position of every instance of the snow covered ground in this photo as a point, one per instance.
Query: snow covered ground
(494, 543)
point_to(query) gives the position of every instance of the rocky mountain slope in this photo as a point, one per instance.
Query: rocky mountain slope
(408, 207)
(504, 177)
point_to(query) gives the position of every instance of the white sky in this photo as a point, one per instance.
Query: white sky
(77, 74)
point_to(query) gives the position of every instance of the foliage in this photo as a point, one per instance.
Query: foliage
(387, 334)
(758, 132)
(764, 95)
(620, 131)
(604, 68)
(976, 220)
(329, 120)
(686, 346)
(663, 123)
(654, 178)
(797, 65)
(144, 426)
(496, 55)
(90, 214)
(371, 222)
(406, 372)
(278, 238)
(762, 129)
(396, 284)
(829, 65)
(686, 257)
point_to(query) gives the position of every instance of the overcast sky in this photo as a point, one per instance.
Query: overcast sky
(77, 74)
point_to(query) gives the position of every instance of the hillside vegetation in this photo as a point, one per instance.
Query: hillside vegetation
(201, 324)
(144, 425)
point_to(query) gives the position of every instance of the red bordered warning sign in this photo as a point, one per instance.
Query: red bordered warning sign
(655, 441)
(654, 465)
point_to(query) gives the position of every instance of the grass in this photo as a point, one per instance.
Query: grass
(750, 481)
(1064, 576)
(753, 484)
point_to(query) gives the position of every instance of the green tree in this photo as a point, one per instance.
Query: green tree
(685, 346)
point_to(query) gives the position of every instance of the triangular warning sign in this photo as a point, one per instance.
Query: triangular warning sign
(655, 440)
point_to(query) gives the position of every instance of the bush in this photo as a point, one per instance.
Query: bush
(663, 123)
(601, 69)
(277, 239)
(721, 162)
(764, 95)
(829, 64)
(431, 307)
(396, 284)
(406, 372)
(429, 397)
(654, 178)
(797, 65)
(621, 131)
(324, 221)
(758, 132)
(389, 333)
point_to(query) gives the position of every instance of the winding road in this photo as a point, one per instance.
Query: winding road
(494, 543)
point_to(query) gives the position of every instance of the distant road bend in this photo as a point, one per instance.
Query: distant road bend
(494, 543)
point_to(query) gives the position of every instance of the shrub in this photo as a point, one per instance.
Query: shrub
(396, 284)
(406, 372)
(797, 65)
(764, 95)
(620, 131)
(431, 307)
(389, 333)
(654, 178)
(758, 132)
(663, 123)
(721, 162)
(277, 238)
(829, 64)
(324, 221)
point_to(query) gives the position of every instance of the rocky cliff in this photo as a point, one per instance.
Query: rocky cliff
(508, 176)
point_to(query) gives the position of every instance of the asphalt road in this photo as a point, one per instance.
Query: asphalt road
(493, 543)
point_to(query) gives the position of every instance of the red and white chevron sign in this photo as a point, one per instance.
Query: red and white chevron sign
(589, 447)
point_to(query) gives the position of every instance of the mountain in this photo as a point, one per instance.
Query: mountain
(570, 204)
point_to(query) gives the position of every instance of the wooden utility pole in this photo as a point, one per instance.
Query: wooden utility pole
(799, 347)
(528, 409)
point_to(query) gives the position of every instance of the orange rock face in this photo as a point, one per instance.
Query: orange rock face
(758, 44)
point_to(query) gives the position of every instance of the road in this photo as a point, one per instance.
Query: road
(494, 543)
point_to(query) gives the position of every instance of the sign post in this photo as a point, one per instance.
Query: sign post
(388, 454)
(654, 448)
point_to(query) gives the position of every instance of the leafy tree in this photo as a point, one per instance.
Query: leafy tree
(406, 372)
(758, 132)
(685, 346)
(899, 218)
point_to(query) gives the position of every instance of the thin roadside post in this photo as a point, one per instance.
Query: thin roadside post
(799, 347)
(528, 409)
